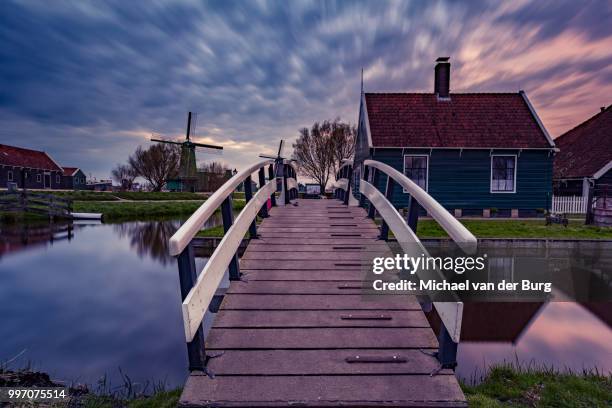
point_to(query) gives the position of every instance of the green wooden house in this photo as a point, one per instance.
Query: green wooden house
(478, 154)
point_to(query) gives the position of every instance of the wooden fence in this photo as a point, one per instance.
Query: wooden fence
(569, 204)
(35, 203)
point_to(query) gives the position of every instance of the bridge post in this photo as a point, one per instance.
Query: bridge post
(248, 195)
(349, 176)
(285, 192)
(413, 214)
(366, 172)
(263, 213)
(228, 220)
(447, 351)
(384, 228)
(196, 353)
(375, 176)
(272, 177)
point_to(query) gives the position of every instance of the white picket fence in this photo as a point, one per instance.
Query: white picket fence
(569, 204)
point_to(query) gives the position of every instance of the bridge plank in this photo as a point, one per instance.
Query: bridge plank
(323, 391)
(319, 302)
(318, 318)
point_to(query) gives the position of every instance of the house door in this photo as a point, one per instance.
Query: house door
(47, 180)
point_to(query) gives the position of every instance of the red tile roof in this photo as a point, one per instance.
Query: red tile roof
(69, 171)
(586, 148)
(20, 157)
(467, 120)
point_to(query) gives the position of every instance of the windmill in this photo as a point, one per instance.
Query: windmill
(279, 168)
(188, 172)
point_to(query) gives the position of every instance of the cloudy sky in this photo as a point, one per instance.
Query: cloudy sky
(90, 81)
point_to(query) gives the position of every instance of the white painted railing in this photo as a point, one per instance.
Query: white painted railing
(190, 228)
(201, 290)
(457, 231)
(450, 312)
(569, 204)
(198, 299)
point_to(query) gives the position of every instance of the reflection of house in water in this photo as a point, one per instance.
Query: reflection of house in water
(17, 237)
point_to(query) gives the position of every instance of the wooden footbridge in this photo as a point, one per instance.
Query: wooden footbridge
(293, 326)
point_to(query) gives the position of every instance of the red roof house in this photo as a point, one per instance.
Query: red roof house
(30, 168)
(585, 156)
(476, 153)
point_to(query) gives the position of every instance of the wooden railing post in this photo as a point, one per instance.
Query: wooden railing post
(285, 192)
(228, 220)
(384, 228)
(272, 178)
(413, 214)
(263, 213)
(196, 352)
(248, 195)
(371, 209)
(362, 198)
(447, 351)
(349, 176)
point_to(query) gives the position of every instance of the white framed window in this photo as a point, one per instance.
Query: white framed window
(57, 178)
(503, 173)
(416, 168)
(38, 178)
(9, 175)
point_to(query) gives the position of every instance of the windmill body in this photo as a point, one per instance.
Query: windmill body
(188, 178)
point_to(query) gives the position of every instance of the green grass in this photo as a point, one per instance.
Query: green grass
(162, 399)
(86, 195)
(156, 196)
(133, 210)
(508, 386)
(518, 229)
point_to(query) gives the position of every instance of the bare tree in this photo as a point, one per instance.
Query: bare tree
(214, 167)
(124, 174)
(320, 150)
(342, 142)
(157, 164)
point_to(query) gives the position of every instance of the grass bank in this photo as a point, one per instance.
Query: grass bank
(128, 195)
(496, 229)
(133, 210)
(518, 229)
(509, 386)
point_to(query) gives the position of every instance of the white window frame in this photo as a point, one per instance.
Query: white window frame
(491, 174)
(57, 179)
(426, 172)
(9, 175)
(38, 178)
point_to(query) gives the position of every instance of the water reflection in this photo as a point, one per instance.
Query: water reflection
(563, 335)
(149, 238)
(18, 237)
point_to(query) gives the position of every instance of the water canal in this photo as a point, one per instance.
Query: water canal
(84, 302)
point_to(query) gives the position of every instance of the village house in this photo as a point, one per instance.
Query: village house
(74, 179)
(482, 154)
(585, 156)
(33, 169)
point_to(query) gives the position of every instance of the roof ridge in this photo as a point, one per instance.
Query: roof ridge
(433, 94)
(22, 148)
(601, 112)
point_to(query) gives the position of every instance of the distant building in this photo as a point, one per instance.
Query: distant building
(475, 153)
(74, 178)
(28, 168)
(99, 185)
(585, 157)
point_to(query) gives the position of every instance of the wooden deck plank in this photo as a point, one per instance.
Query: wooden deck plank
(319, 318)
(322, 391)
(319, 302)
(323, 362)
(321, 338)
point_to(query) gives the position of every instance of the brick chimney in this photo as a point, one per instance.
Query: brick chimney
(442, 78)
